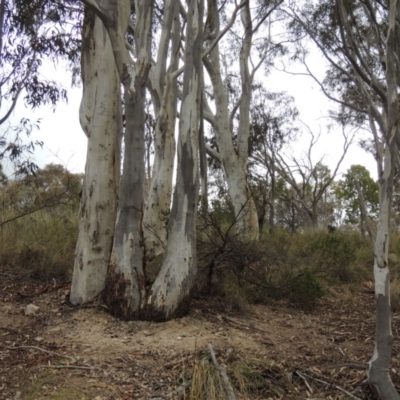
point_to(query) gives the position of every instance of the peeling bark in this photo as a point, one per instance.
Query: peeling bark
(100, 117)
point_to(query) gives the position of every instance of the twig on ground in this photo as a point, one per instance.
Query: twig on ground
(360, 367)
(335, 386)
(38, 349)
(305, 381)
(68, 366)
(222, 370)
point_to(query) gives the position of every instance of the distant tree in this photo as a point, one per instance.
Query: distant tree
(347, 194)
(271, 127)
(309, 179)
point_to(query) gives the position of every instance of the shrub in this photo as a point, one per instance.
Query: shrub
(333, 255)
(304, 289)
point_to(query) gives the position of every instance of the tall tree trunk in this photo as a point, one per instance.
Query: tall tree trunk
(233, 161)
(170, 293)
(379, 365)
(101, 91)
(164, 92)
(125, 287)
(272, 201)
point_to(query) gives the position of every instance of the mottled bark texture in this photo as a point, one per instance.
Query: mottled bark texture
(163, 88)
(125, 288)
(170, 293)
(100, 118)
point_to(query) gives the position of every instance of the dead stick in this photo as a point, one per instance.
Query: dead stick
(335, 386)
(68, 366)
(305, 381)
(39, 349)
(222, 370)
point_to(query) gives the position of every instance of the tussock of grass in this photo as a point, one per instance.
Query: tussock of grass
(250, 378)
(255, 377)
(207, 383)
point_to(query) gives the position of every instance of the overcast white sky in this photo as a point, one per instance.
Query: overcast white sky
(65, 143)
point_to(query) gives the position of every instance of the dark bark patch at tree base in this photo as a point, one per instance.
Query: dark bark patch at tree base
(116, 296)
(148, 313)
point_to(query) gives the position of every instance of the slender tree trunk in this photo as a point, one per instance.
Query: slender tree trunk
(164, 91)
(100, 117)
(379, 365)
(272, 202)
(170, 293)
(125, 287)
(234, 161)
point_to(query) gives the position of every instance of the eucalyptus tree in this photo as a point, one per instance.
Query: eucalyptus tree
(126, 291)
(125, 276)
(233, 156)
(310, 179)
(348, 196)
(170, 293)
(101, 121)
(360, 41)
(164, 93)
(272, 126)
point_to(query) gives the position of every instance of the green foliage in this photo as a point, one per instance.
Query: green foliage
(348, 196)
(304, 289)
(333, 254)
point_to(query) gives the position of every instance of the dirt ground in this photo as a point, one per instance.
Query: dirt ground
(62, 352)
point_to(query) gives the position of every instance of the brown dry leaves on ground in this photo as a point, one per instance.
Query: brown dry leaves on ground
(271, 352)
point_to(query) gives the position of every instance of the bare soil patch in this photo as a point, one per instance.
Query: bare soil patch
(63, 352)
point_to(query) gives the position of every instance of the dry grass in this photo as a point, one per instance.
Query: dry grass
(41, 244)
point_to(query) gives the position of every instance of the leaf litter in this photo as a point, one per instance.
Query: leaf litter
(270, 352)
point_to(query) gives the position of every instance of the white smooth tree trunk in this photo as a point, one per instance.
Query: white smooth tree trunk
(100, 118)
(233, 160)
(164, 94)
(170, 293)
(379, 365)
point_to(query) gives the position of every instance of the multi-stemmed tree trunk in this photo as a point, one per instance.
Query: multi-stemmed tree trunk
(100, 117)
(170, 292)
(126, 294)
(163, 88)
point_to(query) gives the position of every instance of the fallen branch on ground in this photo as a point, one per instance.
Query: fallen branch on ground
(38, 349)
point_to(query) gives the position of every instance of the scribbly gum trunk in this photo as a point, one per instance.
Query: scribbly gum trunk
(101, 90)
(125, 287)
(170, 293)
